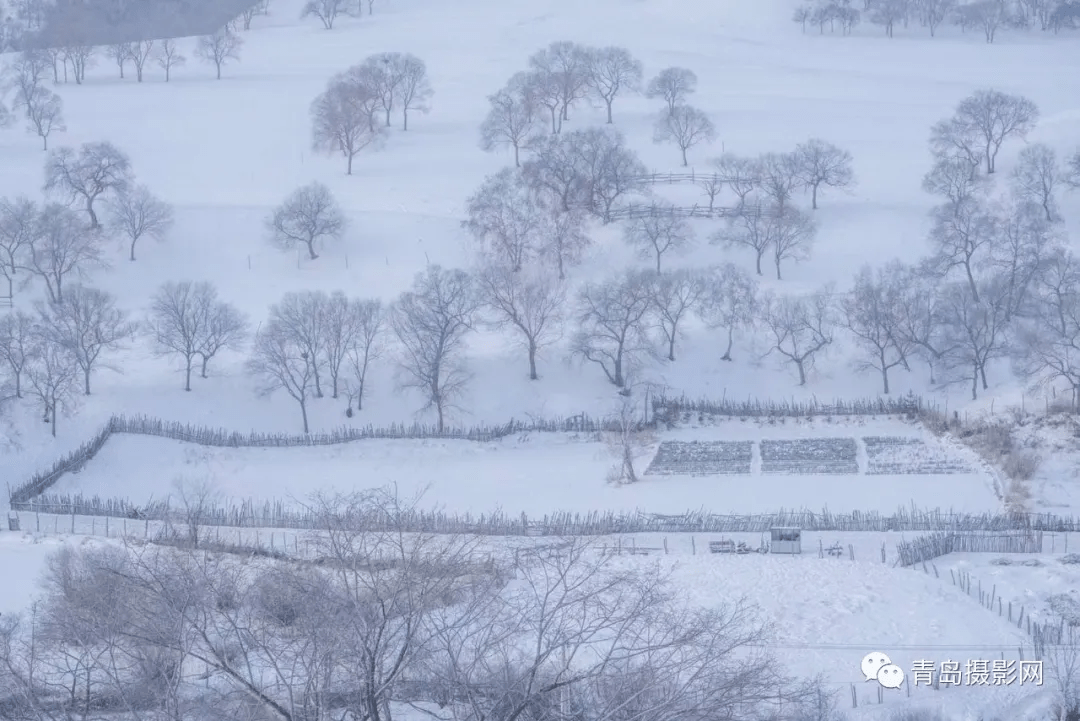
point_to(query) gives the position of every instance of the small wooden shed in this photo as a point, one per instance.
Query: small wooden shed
(785, 539)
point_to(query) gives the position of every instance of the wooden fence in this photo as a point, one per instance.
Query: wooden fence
(934, 545)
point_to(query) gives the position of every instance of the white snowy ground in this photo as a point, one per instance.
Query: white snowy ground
(224, 153)
(535, 473)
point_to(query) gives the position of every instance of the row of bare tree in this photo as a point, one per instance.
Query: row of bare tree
(990, 16)
(381, 624)
(354, 111)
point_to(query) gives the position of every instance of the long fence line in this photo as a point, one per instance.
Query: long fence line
(927, 548)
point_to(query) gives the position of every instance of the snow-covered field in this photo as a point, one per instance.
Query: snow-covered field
(225, 153)
(461, 476)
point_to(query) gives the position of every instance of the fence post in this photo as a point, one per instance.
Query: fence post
(693, 547)
(73, 523)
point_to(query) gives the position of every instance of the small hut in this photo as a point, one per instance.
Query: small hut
(785, 539)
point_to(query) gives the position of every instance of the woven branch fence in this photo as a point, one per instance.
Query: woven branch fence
(932, 546)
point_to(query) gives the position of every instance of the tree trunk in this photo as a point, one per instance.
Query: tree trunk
(439, 412)
(802, 370)
(303, 412)
(348, 169)
(187, 374)
(388, 117)
(758, 263)
(885, 377)
(982, 376)
(93, 216)
(44, 142)
(554, 130)
(658, 255)
(971, 283)
(133, 248)
(52, 418)
(205, 360)
(778, 269)
(532, 360)
(618, 379)
(730, 341)
(813, 202)
(975, 383)
(311, 248)
(219, 78)
(86, 380)
(609, 112)
(166, 73)
(517, 156)
(671, 345)
(405, 118)
(684, 163)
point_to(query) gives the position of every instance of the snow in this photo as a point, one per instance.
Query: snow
(462, 476)
(224, 153)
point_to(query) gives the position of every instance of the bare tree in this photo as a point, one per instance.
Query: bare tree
(367, 346)
(415, 89)
(529, 302)
(611, 71)
(343, 116)
(673, 85)
(1021, 251)
(870, 314)
(219, 48)
(226, 329)
(934, 12)
(63, 248)
(431, 322)
(555, 171)
(506, 219)
(920, 314)
(17, 345)
(26, 75)
(1063, 663)
(546, 91)
(712, 185)
(45, 111)
(987, 14)
(97, 170)
(990, 117)
(306, 217)
(793, 236)
(168, 56)
(81, 57)
(1047, 347)
(279, 361)
(53, 376)
(962, 236)
(87, 323)
(954, 140)
(615, 171)
(247, 15)
(778, 177)
(730, 301)
(341, 323)
(675, 294)
(567, 65)
(564, 238)
(182, 322)
(19, 229)
(326, 10)
(120, 53)
(629, 441)
(385, 79)
(799, 327)
(1072, 173)
(1035, 178)
(742, 175)
(512, 120)
(138, 213)
(887, 13)
(139, 52)
(684, 126)
(974, 320)
(953, 178)
(659, 232)
(303, 317)
(613, 324)
(754, 226)
(821, 163)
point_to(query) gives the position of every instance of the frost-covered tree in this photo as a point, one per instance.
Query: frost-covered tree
(934, 12)
(219, 48)
(45, 113)
(613, 319)
(343, 326)
(1020, 253)
(279, 362)
(675, 295)
(793, 237)
(16, 346)
(138, 213)
(53, 377)
(369, 317)
(87, 323)
(302, 317)
(188, 320)
(799, 327)
(565, 65)
(730, 302)
(658, 232)
(326, 10)
(742, 175)
(779, 175)
(546, 91)
(343, 116)
(869, 313)
(506, 219)
(887, 13)
(612, 71)
(119, 53)
(564, 238)
(63, 248)
(962, 236)
(512, 120)
(1035, 178)
(530, 302)
(97, 170)
(431, 322)
(1047, 345)
(989, 15)
(20, 224)
(307, 217)
(685, 127)
(987, 118)
(952, 177)
(139, 53)
(415, 89)
(168, 56)
(1072, 171)
(672, 85)
(917, 301)
(823, 164)
(974, 319)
